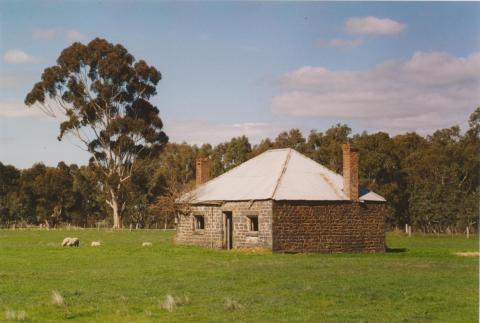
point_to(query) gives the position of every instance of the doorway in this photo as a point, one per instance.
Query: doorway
(228, 230)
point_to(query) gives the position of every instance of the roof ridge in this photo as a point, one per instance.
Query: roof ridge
(337, 174)
(284, 169)
(230, 170)
(329, 182)
(328, 170)
(323, 166)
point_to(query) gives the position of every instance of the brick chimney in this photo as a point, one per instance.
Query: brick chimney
(350, 172)
(202, 171)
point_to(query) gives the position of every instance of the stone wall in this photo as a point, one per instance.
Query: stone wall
(212, 235)
(328, 226)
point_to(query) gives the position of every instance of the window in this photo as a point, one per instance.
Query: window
(253, 225)
(199, 222)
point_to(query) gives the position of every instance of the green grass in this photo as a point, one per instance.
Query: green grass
(123, 282)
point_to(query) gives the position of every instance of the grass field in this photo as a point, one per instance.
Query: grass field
(421, 280)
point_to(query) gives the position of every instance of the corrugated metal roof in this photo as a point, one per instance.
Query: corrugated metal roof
(278, 174)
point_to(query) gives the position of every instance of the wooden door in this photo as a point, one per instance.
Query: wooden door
(228, 230)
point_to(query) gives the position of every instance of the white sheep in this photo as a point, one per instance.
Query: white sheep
(74, 242)
(95, 244)
(146, 244)
(71, 242)
(66, 241)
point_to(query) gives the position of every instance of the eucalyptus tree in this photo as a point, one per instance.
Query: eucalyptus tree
(238, 150)
(101, 95)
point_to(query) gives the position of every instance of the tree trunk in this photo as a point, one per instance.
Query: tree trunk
(117, 216)
(117, 219)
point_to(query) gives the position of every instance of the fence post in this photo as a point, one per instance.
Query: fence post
(468, 231)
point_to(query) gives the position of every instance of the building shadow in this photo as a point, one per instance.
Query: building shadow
(396, 250)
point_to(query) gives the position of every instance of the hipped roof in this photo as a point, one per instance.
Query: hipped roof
(276, 174)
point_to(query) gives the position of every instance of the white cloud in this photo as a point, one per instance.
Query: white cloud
(441, 68)
(45, 34)
(426, 91)
(340, 43)
(10, 108)
(202, 131)
(373, 26)
(70, 35)
(74, 35)
(16, 56)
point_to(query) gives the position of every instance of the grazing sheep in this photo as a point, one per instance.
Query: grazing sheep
(146, 244)
(95, 244)
(66, 241)
(74, 242)
(71, 242)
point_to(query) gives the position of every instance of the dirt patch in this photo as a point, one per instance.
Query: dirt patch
(468, 254)
(254, 250)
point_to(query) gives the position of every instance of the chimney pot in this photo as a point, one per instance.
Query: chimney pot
(202, 170)
(350, 172)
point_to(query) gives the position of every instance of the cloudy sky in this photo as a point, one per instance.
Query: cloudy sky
(253, 68)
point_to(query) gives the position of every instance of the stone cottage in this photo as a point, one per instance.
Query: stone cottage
(284, 201)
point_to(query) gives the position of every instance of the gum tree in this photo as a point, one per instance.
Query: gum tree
(101, 95)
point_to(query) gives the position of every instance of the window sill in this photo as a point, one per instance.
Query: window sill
(252, 234)
(199, 231)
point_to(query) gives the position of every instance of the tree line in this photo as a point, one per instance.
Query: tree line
(430, 182)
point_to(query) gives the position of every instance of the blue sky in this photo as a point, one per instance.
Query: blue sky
(253, 68)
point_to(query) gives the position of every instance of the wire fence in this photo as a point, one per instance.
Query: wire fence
(96, 226)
